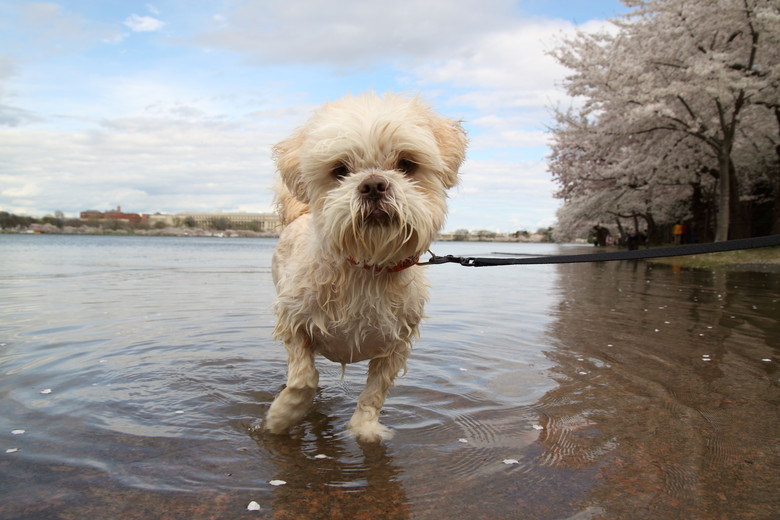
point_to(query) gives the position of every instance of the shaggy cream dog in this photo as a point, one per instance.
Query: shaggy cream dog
(362, 196)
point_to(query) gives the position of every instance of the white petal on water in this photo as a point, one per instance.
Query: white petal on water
(766, 360)
(321, 456)
(17, 432)
(511, 461)
(46, 391)
(583, 373)
(464, 441)
(12, 450)
(253, 506)
(538, 427)
(464, 369)
(179, 412)
(277, 482)
(705, 355)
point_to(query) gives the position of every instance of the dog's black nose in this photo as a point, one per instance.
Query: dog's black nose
(373, 188)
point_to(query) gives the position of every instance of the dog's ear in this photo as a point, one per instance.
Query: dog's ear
(452, 141)
(287, 155)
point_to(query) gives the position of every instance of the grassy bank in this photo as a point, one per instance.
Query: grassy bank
(766, 258)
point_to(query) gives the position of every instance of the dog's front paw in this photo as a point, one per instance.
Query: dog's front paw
(276, 425)
(369, 431)
(289, 408)
(279, 419)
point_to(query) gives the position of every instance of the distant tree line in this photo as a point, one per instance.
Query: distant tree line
(542, 235)
(12, 222)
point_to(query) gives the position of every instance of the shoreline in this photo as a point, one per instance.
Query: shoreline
(760, 259)
(50, 229)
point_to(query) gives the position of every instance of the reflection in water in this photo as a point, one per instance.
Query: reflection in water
(667, 383)
(325, 477)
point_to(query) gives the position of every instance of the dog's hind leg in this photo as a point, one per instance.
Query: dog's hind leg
(381, 373)
(294, 401)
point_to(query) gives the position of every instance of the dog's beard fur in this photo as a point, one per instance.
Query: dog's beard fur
(379, 233)
(363, 194)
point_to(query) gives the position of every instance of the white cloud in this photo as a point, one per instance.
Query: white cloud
(21, 191)
(510, 58)
(41, 29)
(503, 134)
(144, 165)
(13, 116)
(352, 33)
(508, 177)
(139, 23)
(508, 68)
(502, 194)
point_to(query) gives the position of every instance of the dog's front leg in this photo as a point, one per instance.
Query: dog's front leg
(381, 373)
(293, 402)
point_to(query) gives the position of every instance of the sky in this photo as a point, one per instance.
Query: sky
(174, 105)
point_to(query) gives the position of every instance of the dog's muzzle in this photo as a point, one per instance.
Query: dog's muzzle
(375, 193)
(374, 188)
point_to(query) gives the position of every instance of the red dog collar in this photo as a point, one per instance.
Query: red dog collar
(400, 266)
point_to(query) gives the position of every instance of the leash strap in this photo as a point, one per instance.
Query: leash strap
(660, 252)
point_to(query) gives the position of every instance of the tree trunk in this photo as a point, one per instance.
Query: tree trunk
(776, 213)
(740, 215)
(652, 233)
(776, 203)
(699, 230)
(724, 197)
(621, 231)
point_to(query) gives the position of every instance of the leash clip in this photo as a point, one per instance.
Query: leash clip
(446, 259)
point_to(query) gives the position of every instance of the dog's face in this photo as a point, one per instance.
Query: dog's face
(374, 171)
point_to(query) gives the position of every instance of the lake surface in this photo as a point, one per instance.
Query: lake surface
(132, 371)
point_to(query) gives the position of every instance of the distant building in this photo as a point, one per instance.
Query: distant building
(118, 214)
(266, 222)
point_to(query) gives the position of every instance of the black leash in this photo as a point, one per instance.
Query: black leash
(660, 252)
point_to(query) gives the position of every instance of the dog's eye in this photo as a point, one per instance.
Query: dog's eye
(340, 171)
(406, 166)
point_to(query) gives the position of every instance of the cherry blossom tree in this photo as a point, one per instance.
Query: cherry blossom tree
(679, 104)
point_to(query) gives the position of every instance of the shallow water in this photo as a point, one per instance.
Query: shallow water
(136, 367)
